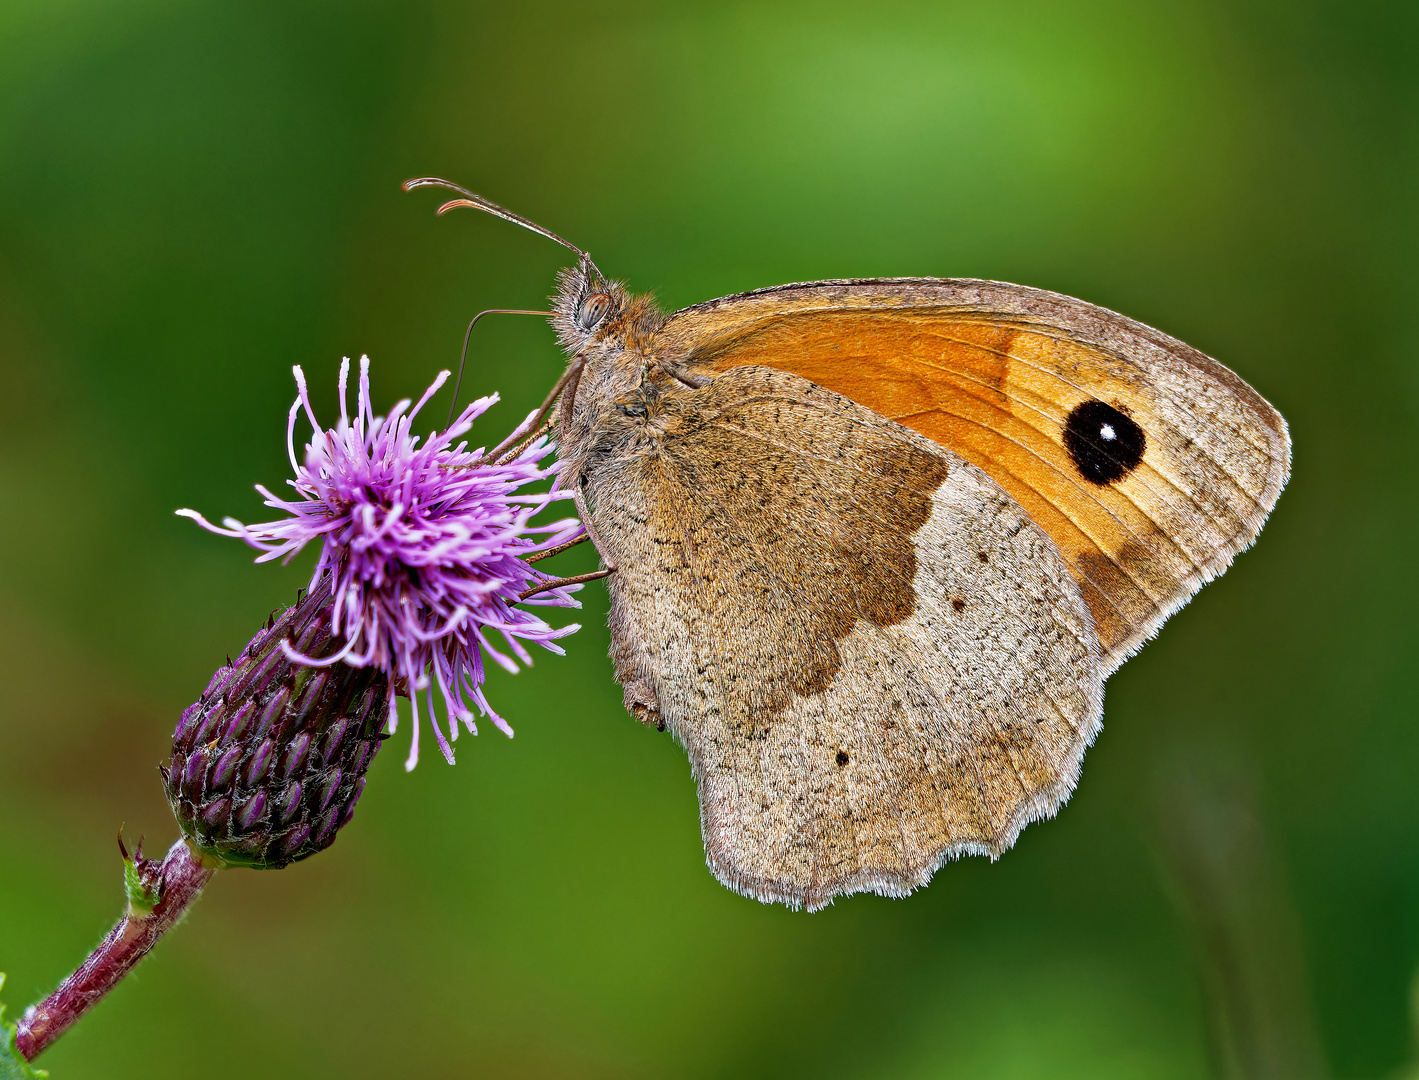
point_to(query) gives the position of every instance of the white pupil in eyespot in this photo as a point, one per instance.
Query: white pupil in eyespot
(1107, 432)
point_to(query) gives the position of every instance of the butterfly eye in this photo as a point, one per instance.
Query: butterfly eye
(592, 310)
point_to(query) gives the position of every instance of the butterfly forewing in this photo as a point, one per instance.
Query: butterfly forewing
(1149, 464)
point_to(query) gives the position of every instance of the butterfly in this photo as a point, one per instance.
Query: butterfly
(874, 545)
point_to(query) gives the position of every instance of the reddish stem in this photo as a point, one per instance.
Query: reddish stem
(175, 882)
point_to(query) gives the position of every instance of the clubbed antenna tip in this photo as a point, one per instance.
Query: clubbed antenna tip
(477, 202)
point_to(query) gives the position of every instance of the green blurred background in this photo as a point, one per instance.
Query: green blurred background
(195, 196)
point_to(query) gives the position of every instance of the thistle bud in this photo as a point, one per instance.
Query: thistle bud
(269, 763)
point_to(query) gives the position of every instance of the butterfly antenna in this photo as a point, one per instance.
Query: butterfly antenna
(477, 202)
(463, 356)
(587, 268)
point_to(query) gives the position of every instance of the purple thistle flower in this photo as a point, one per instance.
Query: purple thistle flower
(423, 548)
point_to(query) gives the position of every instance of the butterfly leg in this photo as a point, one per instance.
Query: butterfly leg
(566, 390)
(589, 534)
(583, 538)
(581, 508)
(559, 582)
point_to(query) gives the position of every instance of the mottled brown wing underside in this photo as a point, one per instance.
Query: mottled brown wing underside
(874, 659)
(993, 373)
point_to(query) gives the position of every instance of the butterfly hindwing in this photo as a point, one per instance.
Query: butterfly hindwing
(874, 658)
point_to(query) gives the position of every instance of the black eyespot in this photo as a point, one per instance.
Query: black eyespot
(592, 310)
(842, 757)
(1105, 444)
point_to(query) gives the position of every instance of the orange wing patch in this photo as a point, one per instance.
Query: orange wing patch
(998, 393)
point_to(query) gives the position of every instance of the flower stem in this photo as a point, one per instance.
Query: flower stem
(158, 894)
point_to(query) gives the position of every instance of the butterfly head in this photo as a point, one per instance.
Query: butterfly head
(585, 305)
(588, 310)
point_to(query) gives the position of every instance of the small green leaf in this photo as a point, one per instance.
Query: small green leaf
(142, 896)
(13, 1065)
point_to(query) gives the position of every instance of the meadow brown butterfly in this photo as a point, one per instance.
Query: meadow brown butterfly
(874, 546)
